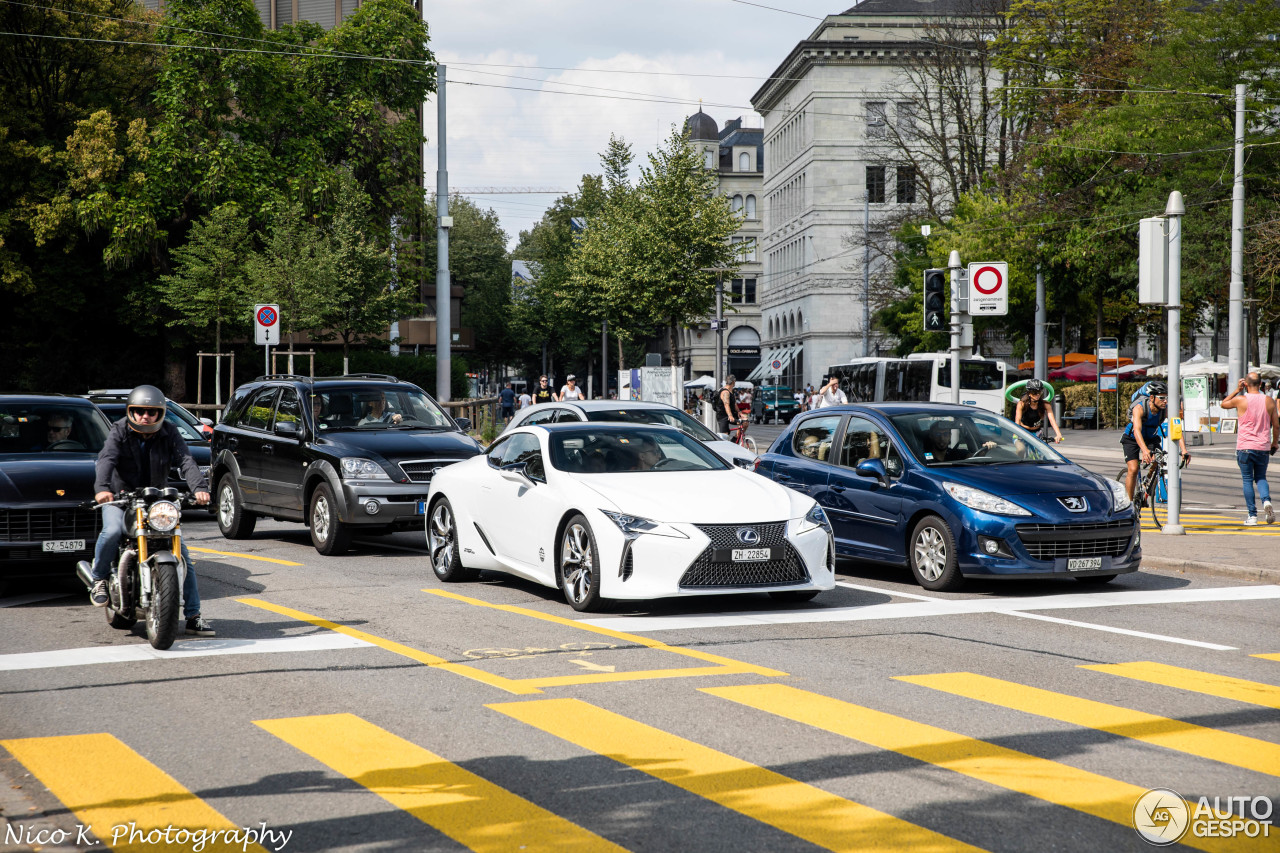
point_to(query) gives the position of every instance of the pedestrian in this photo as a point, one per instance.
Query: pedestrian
(831, 395)
(1257, 436)
(726, 412)
(802, 397)
(524, 401)
(507, 403)
(543, 393)
(570, 391)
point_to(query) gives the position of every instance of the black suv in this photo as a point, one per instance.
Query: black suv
(337, 453)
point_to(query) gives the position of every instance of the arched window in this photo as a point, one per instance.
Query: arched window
(751, 205)
(744, 162)
(737, 203)
(800, 322)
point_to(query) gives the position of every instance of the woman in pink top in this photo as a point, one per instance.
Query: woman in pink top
(1257, 436)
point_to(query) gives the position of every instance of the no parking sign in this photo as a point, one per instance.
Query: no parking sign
(989, 289)
(266, 325)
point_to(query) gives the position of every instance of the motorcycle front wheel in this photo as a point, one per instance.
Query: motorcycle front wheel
(162, 615)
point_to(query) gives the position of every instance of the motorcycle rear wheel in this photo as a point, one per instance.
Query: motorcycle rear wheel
(162, 615)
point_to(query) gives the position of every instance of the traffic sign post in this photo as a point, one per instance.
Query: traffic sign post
(266, 329)
(989, 289)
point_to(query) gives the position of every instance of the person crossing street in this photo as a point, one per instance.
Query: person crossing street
(1257, 437)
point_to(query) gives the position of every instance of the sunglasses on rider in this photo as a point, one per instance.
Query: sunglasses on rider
(155, 413)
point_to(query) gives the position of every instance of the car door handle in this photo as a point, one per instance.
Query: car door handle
(782, 478)
(837, 488)
(267, 448)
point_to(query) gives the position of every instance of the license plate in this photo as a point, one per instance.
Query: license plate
(1080, 564)
(422, 507)
(58, 546)
(751, 555)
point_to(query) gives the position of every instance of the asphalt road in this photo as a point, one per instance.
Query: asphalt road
(358, 704)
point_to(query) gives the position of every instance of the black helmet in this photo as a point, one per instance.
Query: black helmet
(145, 397)
(1034, 386)
(1157, 389)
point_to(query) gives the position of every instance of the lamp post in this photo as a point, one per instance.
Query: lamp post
(1174, 211)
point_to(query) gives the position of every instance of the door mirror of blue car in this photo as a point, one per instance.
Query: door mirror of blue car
(873, 468)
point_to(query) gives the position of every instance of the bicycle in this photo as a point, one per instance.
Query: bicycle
(1152, 488)
(738, 434)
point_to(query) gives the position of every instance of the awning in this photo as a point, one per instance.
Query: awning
(765, 368)
(759, 371)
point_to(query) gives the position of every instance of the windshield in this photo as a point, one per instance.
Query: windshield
(974, 375)
(377, 408)
(970, 439)
(619, 450)
(44, 428)
(665, 417)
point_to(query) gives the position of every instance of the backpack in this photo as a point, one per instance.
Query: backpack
(1140, 396)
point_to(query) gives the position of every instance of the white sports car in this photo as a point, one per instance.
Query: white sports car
(624, 511)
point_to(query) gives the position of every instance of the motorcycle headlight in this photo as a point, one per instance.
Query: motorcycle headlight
(1120, 499)
(633, 525)
(983, 501)
(356, 468)
(163, 516)
(814, 518)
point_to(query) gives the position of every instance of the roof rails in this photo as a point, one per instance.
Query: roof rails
(290, 376)
(386, 377)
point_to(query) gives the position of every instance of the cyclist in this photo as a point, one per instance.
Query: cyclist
(1142, 432)
(1034, 412)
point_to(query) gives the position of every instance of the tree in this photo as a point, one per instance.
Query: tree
(294, 269)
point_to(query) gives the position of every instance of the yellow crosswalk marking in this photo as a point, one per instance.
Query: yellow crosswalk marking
(473, 812)
(1031, 775)
(1222, 686)
(1237, 750)
(1267, 656)
(129, 802)
(791, 806)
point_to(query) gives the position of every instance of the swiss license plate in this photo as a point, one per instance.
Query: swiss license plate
(58, 546)
(1082, 564)
(422, 507)
(751, 555)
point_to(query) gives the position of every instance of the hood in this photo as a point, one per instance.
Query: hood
(39, 476)
(400, 443)
(697, 497)
(728, 451)
(1023, 479)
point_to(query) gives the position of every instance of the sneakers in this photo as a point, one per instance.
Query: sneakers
(1251, 521)
(1269, 512)
(99, 595)
(199, 627)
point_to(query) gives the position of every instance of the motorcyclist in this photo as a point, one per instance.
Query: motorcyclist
(139, 451)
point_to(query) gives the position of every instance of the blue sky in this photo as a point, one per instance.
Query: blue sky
(499, 136)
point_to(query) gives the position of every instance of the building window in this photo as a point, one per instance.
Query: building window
(876, 122)
(875, 184)
(744, 162)
(710, 158)
(751, 207)
(906, 185)
(737, 203)
(743, 291)
(907, 120)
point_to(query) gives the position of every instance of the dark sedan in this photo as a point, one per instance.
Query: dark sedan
(955, 492)
(48, 446)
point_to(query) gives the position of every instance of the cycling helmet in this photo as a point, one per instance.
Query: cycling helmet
(1034, 386)
(145, 397)
(1157, 389)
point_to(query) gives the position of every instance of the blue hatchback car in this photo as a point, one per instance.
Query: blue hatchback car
(955, 492)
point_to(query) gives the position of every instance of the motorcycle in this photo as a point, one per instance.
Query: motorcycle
(147, 575)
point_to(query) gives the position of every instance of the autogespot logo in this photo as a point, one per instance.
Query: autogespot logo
(1160, 816)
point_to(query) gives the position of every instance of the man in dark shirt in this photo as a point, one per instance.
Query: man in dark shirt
(507, 402)
(542, 394)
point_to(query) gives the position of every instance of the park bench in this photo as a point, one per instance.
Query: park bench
(1084, 417)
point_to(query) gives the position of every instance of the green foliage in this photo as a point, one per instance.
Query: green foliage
(418, 369)
(210, 285)
(293, 270)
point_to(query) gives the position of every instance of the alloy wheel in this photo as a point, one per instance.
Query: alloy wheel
(575, 563)
(441, 537)
(931, 554)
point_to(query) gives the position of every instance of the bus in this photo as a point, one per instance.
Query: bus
(922, 376)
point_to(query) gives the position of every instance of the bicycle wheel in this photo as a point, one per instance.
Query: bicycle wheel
(750, 444)
(1158, 500)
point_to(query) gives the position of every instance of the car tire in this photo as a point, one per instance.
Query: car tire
(329, 534)
(794, 596)
(578, 566)
(1096, 580)
(931, 552)
(234, 520)
(442, 544)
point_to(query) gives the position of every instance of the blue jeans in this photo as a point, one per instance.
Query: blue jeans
(1253, 469)
(109, 545)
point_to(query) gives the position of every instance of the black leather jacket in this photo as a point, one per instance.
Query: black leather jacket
(120, 462)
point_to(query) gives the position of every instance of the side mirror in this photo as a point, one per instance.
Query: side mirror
(207, 422)
(517, 472)
(464, 424)
(289, 429)
(873, 468)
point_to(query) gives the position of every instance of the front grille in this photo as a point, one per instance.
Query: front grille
(1055, 541)
(772, 534)
(706, 572)
(36, 525)
(421, 470)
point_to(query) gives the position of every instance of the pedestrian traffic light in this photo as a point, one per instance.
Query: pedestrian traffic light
(935, 301)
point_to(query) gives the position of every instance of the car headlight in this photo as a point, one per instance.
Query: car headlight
(813, 519)
(1120, 498)
(363, 469)
(633, 525)
(163, 516)
(983, 501)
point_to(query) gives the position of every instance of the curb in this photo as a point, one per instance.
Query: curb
(1174, 564)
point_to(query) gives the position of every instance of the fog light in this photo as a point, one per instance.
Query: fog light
(991, 546)
(372, 507)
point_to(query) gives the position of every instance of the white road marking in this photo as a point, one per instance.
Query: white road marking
(1113, 630)
(886, 591)
(937, 607)
(183, 649)
(19, 600)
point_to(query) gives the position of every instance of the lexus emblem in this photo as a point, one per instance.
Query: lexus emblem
(748, 536)
(1074, 504)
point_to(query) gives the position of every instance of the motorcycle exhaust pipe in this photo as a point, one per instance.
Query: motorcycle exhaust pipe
(84, 571)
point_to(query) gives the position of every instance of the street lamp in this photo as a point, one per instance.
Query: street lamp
(719, 371)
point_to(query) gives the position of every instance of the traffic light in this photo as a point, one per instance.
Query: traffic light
(935, 301)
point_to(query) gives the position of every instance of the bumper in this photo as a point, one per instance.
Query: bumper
(26, 532)
(1101, 546)
(648, 566)
(392, 504)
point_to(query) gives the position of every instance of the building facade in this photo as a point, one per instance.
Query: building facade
(825, 109)
(736, 153)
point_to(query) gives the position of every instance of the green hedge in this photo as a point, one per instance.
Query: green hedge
(418, 369)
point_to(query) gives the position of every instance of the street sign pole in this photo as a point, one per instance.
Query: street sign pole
(954, 263)
(266, 331)
(1174, 211)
